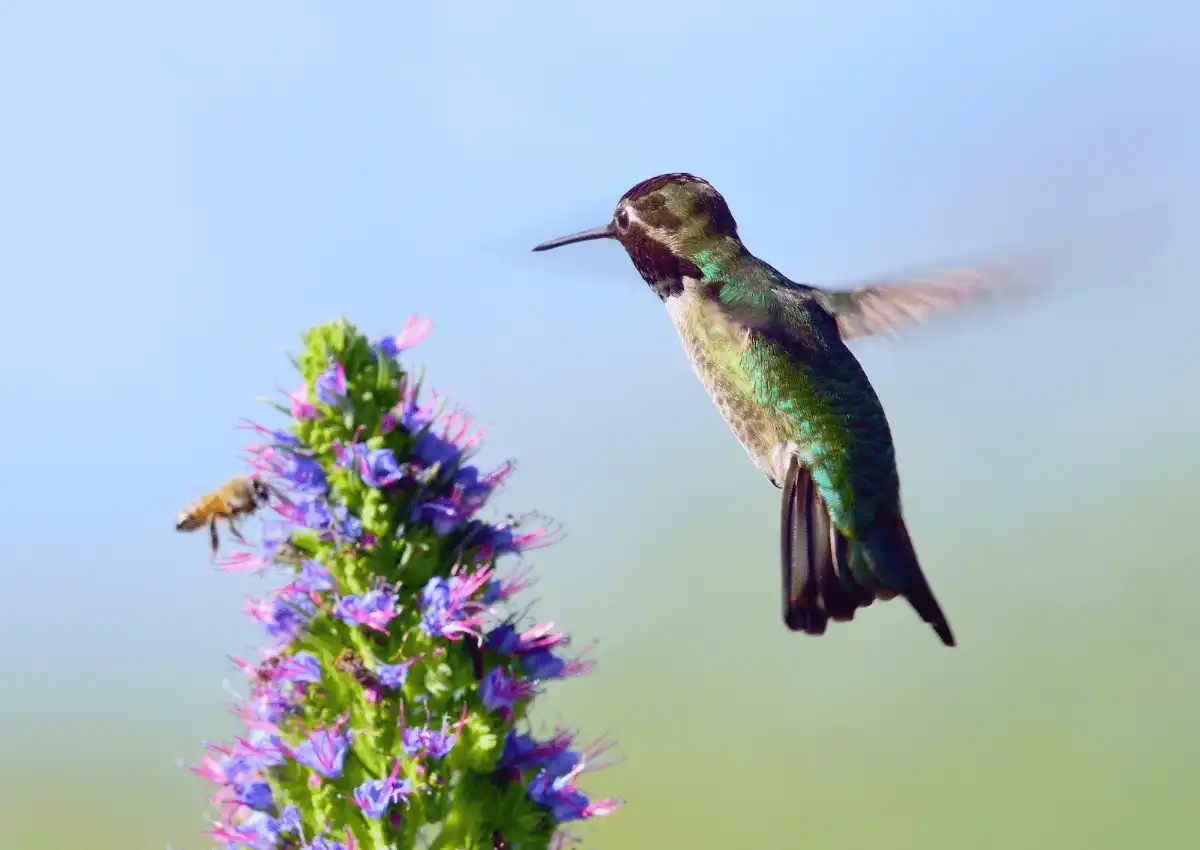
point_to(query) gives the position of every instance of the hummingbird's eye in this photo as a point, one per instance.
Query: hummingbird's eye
(622, 220)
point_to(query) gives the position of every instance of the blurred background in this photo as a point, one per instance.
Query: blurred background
(185, 188)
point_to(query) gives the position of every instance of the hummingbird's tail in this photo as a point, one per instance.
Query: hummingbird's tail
(817, 584)
(828, 577)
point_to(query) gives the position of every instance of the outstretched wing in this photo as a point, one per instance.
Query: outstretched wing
(1104, 253)
(886, 306)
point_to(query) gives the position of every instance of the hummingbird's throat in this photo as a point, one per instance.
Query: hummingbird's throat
(662, 268)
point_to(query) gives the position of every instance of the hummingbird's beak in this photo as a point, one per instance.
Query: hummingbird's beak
(606, 231)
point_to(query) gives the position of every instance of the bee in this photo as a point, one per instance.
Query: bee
(236, 498)
(265, 671)
(350, 663)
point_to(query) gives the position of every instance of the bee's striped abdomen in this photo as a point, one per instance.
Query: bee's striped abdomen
(200, 512)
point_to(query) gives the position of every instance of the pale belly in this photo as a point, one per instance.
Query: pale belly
(714, 348)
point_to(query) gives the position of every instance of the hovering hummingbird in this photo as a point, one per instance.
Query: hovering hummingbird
(772, 355)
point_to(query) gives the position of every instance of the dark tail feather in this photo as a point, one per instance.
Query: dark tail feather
(820, 582)
(817, 587)
(892, 557)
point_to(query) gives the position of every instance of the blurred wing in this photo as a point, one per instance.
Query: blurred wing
(887, 306)
(1107, 253)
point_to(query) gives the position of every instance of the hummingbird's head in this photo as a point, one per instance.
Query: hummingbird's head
(672, 226)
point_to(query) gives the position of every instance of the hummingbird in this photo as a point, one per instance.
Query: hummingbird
(772, 355)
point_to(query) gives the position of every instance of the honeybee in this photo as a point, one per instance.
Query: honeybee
(350, 663)
(236, 498)
(265, 671)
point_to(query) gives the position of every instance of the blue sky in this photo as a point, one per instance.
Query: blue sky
(184, 188)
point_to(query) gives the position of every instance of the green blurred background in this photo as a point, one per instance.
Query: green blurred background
(184, 188)
(1065, 719)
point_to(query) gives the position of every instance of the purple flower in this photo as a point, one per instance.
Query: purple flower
(474, 489)
(222, 766)
(379, 468)
(503, 539)
(504, 638)
(387, 347)
(439, 742)
(521, 752)
(503, 589)
(435, 605)
(408, 413)
(256, 795)
(467, 478)
(493, 593)
(314, 515)
(375, 796)
(268, 704)
(554, 788)
(313, 578)
(543, 664)
(283, 618)
(443, 514)
(304, 474)
(412, 740)
(564, 801)
(346, 456)
(320, 842)
(392, 676)
(331, 384)
(348, 525)
(289, 820)
(415, 329)
(430, 449)
(562, 798)
(324, 750)
(373, 609)
(446, 606)
(435, 743)
(263, 747)
(298, 668)
(308, 513)
(498, 690)
(255, 830)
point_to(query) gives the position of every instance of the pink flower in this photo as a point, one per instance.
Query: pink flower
(415, 330)
(301, 407)
(241, 561)
(373, 609)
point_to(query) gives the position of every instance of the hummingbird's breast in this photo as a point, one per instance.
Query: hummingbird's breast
(714, 343)
(810, 399)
